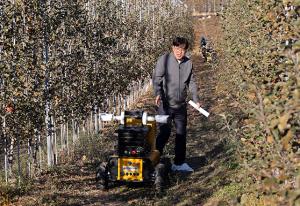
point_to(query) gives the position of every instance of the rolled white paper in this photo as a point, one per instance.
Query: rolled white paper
(202, 111)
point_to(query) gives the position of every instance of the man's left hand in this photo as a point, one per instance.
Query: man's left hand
(199, 104)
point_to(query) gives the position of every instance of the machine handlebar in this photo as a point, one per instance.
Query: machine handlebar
(145, 118)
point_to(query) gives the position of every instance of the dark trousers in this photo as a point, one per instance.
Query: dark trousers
(179, 116)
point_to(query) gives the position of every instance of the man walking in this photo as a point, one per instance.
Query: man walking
(172, 77)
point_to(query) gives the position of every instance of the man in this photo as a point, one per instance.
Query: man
(203, 48)
(202, 41)
(172, 77)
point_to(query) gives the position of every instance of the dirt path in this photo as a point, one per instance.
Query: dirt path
(206, 153)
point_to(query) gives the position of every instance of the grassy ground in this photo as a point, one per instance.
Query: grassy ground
(208, 151)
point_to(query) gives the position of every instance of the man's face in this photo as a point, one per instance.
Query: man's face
(179, 51)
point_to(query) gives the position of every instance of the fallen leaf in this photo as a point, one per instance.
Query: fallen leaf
(283, 120)
(286, 140)
(270, 139)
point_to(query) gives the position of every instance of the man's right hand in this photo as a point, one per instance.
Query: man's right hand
(157, 100)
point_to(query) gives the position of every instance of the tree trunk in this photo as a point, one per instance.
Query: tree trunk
(5, 150)
(19, 160)
(96, 119)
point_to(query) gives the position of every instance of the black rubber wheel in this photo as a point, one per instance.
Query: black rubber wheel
(102, 180)
(160, 178)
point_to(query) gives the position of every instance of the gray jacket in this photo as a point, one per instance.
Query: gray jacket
(171, 80)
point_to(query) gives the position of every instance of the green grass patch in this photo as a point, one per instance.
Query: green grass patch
(229, 192)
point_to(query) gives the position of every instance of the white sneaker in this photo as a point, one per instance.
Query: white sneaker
(182, 168)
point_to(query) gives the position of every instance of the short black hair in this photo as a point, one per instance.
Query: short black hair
(181, 40)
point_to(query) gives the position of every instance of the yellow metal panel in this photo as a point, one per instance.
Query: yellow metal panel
(130, 169)
(133, 122)
(151, 137)
(119, 171)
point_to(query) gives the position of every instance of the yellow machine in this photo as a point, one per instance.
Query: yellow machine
(136, 159)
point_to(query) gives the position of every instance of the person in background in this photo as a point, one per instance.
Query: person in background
(203, 48)
(172, 77)
(203, 42)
